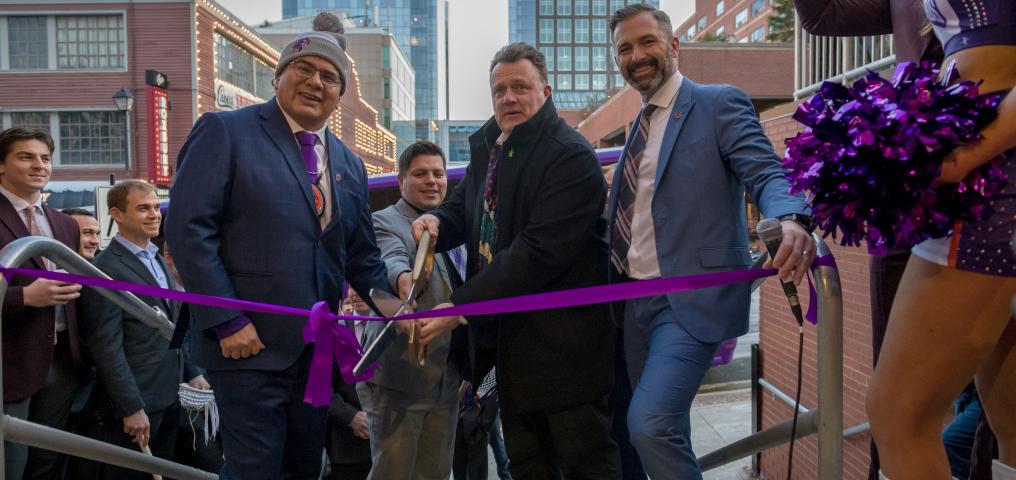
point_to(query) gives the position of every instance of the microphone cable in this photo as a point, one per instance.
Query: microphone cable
(797, 396)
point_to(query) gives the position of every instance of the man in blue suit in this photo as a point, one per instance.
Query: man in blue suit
(677, 208)
(269, 206)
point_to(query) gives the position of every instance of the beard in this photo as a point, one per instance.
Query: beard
(655, 79)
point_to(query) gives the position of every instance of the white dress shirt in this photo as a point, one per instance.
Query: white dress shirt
(642, 260)
(324, 182)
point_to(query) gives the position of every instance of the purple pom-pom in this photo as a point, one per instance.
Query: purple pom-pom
(871, 154)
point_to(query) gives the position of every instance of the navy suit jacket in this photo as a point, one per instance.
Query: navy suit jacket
(713, 149)
(244, 224)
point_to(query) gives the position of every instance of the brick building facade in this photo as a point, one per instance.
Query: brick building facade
(61, 63)
(740, 21)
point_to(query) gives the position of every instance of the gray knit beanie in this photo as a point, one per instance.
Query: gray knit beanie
(326, 41)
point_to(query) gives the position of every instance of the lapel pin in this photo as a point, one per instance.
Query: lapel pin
(338, 177)
(677, 115)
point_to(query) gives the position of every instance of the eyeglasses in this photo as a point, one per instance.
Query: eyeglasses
(305, 70)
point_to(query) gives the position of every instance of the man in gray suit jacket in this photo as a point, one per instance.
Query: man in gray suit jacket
(138, 371)
(412, 410)
(677, 208)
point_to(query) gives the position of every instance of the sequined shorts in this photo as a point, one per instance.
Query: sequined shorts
(983, 246)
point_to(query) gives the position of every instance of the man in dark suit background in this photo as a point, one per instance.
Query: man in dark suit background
(269, 206)
(138, 372)
(530, 213)
(348, 440)
(41, 351)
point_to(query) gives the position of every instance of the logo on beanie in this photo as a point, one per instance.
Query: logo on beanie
(299, 44)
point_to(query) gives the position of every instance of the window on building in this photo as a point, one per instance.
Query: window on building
(719, 8)
(599, 7)
(94, 42)
(564, 82)
(546, 7)
(564, 31)
(702, 23)
(550, 79)
(546, 30)
(30, 120)
(759, 34)
(581, 7)
(264, 74)
(757, 6)
(599, 81)
(742, 40)
(548, 54)
(27, 41)
(616, 5)
(81, 138)
(92, 138)
(741, 18)
(233, 64)
(582, 31)
(600, 59)
(720, 31)
(581, 82)
(691, 32)
(600, 31)
(618, 80)
(581, 59)
(89, 41)
(683, 38)
(563, 59)
(564, 7)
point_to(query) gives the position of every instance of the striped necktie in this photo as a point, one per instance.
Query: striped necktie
(621, 229)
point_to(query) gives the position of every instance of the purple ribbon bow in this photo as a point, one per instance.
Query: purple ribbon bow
(326, 333)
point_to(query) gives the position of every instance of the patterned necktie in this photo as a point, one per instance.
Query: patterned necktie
(308, 140)
(621, 230)
(33, 230)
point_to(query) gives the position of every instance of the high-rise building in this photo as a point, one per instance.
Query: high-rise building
(419, 27)
(741, 21)
(573, 35)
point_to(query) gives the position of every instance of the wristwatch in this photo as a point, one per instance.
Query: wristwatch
(801, 219)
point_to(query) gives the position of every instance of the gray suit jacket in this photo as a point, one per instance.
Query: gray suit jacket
(135, 365)
(399, 368)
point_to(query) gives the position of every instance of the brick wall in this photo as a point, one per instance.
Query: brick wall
(778, 344)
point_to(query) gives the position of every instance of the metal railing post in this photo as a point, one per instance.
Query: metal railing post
(16, 430)
(827, 418)
(830, 368)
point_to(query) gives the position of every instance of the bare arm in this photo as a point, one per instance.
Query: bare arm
(999, 136)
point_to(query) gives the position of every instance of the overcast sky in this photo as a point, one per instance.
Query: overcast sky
(477, 28)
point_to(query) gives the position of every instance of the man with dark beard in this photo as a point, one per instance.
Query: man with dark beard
(677, 208)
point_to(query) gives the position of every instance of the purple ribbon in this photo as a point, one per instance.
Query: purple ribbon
(334, 342)
(326, 333)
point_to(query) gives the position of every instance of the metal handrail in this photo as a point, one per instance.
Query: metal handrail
(827, 418)
(20, 431)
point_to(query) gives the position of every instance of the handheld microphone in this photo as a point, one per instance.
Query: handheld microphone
(771, 232)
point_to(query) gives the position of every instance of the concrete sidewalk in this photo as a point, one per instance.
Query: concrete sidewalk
(717, 419)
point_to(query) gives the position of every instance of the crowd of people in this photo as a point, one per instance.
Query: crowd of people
(269, 206)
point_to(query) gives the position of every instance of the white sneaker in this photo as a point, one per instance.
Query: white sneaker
(1001, 471)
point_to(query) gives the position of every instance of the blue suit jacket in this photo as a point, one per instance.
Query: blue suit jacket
(713, 149)
(242, 225)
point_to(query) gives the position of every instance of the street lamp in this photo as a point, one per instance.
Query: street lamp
(124, 102)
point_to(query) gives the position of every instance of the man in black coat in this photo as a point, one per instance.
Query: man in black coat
(138, 372)
(530, 213)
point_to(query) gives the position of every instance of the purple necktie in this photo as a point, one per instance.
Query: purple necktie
(308, 140)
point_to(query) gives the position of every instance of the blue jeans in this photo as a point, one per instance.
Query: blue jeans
(959, 435)
(666, 365)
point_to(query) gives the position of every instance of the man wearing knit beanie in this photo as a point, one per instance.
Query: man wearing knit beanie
(269, 206)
